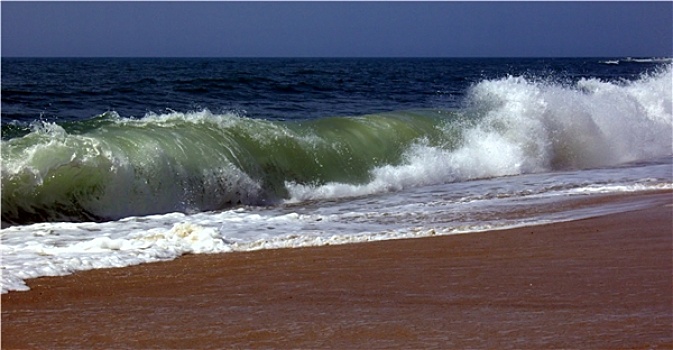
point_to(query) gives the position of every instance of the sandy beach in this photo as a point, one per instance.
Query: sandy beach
(599, 283)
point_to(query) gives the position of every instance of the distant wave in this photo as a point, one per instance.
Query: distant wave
(111, 167)
(639, 60)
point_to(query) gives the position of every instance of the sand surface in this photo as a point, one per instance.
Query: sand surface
(600, 283)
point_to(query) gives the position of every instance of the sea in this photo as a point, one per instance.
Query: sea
(111, 162)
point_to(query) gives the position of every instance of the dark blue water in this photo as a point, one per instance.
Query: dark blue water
(67, 89)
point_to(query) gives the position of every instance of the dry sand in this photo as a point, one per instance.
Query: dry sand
(600, 283)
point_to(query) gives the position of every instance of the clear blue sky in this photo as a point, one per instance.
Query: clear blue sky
(335, 29)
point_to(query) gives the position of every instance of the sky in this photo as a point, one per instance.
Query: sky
(336, 29)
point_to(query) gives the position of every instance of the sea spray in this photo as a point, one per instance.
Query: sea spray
(516, 125)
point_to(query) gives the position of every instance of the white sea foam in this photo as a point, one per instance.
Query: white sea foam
(54, 249)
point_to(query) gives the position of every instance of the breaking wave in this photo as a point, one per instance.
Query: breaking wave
(111, 167)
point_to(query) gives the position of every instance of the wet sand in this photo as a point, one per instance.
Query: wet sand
(600, 283)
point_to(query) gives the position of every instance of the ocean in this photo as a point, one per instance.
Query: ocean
(111, 162)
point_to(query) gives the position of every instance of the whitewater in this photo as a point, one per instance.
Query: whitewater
(114, 191)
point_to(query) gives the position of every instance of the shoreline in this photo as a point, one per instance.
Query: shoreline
(601, 282)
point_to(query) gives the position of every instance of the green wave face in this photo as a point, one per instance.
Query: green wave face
(110, 167)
